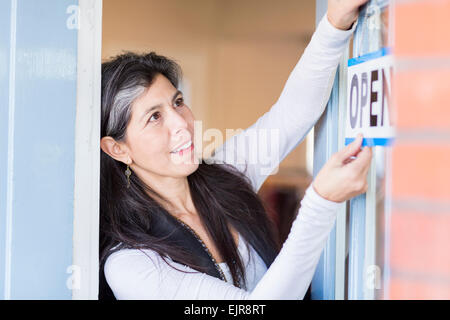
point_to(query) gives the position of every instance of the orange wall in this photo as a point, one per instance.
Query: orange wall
(235, 54)
(420, 225)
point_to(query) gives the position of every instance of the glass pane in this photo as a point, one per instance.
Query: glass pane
(372, 35)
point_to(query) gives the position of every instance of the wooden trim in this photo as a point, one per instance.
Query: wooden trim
(87, 151)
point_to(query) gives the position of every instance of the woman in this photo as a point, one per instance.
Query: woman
(174, 226)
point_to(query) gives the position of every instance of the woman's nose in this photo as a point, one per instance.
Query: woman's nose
(177, 123)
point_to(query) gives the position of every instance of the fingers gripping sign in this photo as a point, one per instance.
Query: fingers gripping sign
(344, 176)
(343, 13)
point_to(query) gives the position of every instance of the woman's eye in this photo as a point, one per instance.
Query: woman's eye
(179, 102)
(153, 115)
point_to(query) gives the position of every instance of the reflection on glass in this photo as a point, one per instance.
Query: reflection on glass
(380, 183)
(374, 35)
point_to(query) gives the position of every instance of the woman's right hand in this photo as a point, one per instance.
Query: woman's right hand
(344, 177)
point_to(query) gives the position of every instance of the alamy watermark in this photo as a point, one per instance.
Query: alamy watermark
(259, 147)
(373, 277)
(74, 279)
(73, 20)
(373, 17)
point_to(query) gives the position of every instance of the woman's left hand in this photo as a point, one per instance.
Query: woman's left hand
(343, 13)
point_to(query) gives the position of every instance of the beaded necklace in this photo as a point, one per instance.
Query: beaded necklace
(219, 269)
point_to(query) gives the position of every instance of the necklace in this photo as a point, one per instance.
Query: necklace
(219, 269)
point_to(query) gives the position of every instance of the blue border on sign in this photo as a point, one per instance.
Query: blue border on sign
(370, 142)
(370, 56)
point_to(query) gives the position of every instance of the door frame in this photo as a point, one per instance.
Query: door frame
(85, 269)
(358, 237)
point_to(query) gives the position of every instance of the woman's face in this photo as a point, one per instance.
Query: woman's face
(160, 123)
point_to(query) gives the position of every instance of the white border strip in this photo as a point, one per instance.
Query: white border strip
(370, 236)
(87, 153)
(341, 220)
(10, 173)
(387, 227)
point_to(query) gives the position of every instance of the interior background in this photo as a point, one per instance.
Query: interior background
(236, 57)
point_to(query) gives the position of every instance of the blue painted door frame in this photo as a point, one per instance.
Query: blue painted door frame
(366, 39)
(325, 144)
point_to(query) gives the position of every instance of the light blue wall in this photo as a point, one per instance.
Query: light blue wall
(43, 156)
(5, 21)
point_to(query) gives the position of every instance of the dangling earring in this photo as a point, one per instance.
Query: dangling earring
(128, 174)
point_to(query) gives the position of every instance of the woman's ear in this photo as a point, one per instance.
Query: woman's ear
(115, 150)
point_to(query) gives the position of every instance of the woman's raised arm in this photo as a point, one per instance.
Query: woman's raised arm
(135, 274)
(258, 150)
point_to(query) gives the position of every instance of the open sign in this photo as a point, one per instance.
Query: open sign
(368, 94)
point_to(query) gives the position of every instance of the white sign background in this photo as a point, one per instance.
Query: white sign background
(368, 92)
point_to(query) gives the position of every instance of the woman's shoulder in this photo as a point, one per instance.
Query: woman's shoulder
(132, 262)
(135, 273)
(129, 255)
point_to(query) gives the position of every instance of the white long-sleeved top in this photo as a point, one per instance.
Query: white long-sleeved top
(141, 274)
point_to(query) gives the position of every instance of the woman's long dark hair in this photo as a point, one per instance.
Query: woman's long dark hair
(222, 195)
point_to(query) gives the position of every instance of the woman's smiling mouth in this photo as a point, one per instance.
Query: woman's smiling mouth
(187, 147)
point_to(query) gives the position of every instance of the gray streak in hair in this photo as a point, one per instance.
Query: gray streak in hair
(121, 108)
